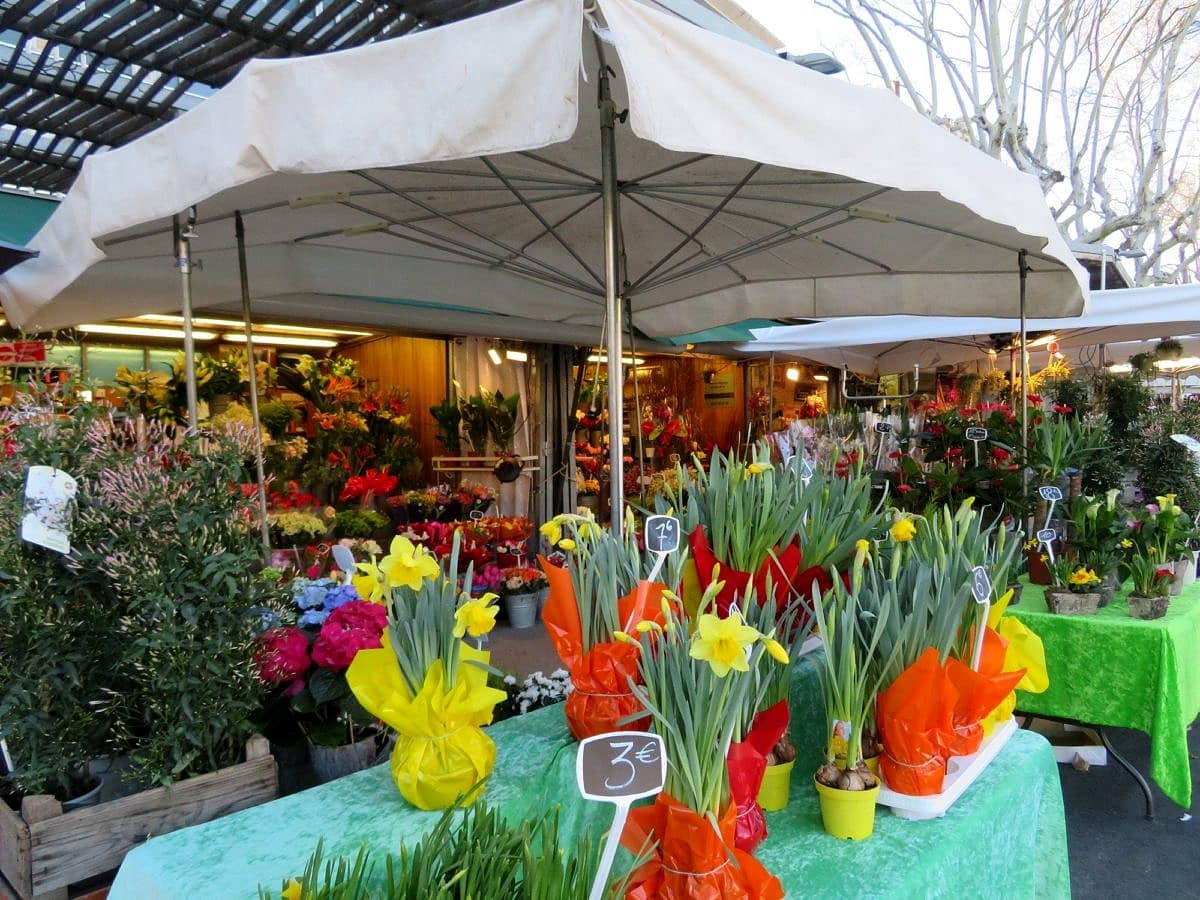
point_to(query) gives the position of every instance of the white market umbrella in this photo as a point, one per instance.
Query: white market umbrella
(885, 344)
(468, 170)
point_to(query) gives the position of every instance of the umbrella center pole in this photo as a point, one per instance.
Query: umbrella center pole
(1023, 269)
(612, 298)
(183, 259)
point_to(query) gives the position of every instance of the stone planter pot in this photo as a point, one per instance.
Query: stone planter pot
(1185, 573)
(1065, 603)
(1108, 589)
(522, 609)
(331, 763)
(1148, 607)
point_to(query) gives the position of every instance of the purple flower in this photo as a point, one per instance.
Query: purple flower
(1152, 508)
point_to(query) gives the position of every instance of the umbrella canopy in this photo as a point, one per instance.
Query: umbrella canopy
(895, 343)
(11, 254)
(465, 168)
(461, 167)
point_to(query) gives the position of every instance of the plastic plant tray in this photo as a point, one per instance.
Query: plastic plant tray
(961, 772)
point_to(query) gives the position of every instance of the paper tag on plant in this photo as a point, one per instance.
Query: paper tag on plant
(839, 738)
(49, 497)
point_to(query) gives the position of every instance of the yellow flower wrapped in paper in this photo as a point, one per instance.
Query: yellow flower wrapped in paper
(1024, 651)
(441, 751)
(426, 683)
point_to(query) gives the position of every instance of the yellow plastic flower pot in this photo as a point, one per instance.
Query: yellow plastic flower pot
(847, 814)
(776, 783)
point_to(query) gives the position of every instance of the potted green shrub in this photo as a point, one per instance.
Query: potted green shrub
(448, 417)
(277, 417)
(475, 410)
(1168, 349)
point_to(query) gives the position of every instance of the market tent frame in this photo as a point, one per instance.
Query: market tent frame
(888, 344)
(474, 177)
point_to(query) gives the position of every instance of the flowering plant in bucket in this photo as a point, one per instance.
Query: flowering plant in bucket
(699, 683)
(522, 580)
(426, 682)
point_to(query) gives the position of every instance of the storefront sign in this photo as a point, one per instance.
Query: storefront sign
(720, 389)
(21, 353)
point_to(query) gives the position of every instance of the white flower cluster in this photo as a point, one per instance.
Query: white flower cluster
(542, 690)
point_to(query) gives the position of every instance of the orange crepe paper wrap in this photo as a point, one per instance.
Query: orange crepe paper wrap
(746, 762)
(691, 861)
(979, 692)
(601, 698)
(916, 725)
(782, 569)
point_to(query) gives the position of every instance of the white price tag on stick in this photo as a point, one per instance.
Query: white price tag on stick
(981, 590)
(618, 768)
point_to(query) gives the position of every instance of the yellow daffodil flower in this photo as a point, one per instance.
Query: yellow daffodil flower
(566, 544)
(722, 643)
(552, 532)
(756, 468)
(1126, 543)
(903, 530)
(863, 546)
(293, 891)
(407, 564)
(625, 638)
(369, 582)
(476, 617)
(776, 650)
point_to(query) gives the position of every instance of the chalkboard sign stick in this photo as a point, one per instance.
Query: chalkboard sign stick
(619, 768)
(981, 590)
(661, 538)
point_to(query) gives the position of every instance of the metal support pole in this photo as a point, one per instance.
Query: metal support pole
(770, 397)
(612, 299)
(1023, 268)
(252, 366)
(183, 259)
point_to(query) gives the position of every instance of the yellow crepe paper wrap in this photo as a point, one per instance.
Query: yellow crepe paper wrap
(441, 751)
(1024, 651)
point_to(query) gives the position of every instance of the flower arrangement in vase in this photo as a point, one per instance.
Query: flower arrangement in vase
(520, 587)
(699, 681)
(426, 682)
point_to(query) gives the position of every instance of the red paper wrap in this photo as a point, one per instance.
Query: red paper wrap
(979, 692)
(782, 569)
(915, 718)
(747, 761)
(692, 861)
(601, 698)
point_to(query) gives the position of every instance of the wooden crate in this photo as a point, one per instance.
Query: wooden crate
(43, 850)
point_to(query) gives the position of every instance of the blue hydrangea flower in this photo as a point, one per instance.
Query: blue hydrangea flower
(339, 596)
(308, 594)
(314, 618)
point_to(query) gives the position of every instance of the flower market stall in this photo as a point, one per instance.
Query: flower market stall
(926, 238)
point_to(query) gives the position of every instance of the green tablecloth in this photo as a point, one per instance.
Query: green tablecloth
(1005, 838)
(1110, 669)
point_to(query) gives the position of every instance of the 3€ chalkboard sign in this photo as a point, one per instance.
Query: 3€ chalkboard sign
(883, 427)
(618, 768)
(621, 766)
(662, 534)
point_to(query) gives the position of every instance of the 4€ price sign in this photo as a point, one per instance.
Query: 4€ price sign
(618, 768)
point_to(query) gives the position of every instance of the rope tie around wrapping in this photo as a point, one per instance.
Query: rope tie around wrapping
(712, 871)
(918, 765)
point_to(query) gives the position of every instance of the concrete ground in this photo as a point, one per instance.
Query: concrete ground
(1115, 852)
(522, 650)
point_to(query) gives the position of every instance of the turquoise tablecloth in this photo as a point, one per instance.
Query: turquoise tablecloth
(1005, 838)
(1110, 669)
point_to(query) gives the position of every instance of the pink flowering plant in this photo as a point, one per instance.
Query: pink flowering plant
(305, 664)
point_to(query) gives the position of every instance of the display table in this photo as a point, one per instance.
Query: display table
(1006, 837)
(1110, 669)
